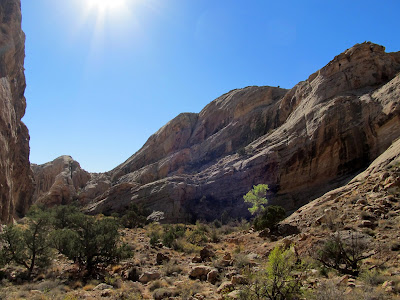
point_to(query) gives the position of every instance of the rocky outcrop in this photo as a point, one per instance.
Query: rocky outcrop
(60, 181)
(15, 174)
(302, 142)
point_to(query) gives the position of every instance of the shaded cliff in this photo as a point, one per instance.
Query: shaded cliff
(15, 175)
(302, 142)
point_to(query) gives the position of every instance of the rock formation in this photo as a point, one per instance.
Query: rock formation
(15, 174)
(59, 181)
(302, 142)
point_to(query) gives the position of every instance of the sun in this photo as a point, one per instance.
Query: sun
(106, 6)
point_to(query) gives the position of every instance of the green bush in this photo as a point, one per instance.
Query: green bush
(90, 241)
(278, 280)
(134, 217)
(271, 216)
(28, 245)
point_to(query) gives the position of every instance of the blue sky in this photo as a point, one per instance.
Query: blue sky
(101, 81)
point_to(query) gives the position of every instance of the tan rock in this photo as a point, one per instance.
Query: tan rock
(16, 181)
(199, 272)
(225, 287)
(213, 276)
(59, 182)
(149, 276)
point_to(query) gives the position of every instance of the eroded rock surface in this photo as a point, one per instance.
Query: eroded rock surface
(15, 174)
(302, 142)
(60, 181)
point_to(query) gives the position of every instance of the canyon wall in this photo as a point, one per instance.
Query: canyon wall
(16, 187)
(301, 142)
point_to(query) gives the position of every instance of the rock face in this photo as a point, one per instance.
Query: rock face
(59, 181)
(15, 174)
(302, 142)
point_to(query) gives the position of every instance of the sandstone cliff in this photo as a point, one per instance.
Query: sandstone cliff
(302, 142)
(15, 174)
(59, 182)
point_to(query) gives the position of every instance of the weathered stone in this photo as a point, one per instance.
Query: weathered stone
(329, 126)
(238, 279)
(132, 274)
(102, 286)
(225, 287)
(197, 259)
(149, 276)
(227, 256)
(212, 276)
(207, 253)
(199, 271)
(161, 258)
(367, 223)
(59, 182)
(16, 181)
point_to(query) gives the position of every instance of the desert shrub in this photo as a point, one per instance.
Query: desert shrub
(343, 256)
(134, 217)
(171, 267)
(277, 281)
(215, 238)
(217, 224)
(269, 217)
(90, 241)
(196, 237)
(154, 238)
(183, 245)
(28, 245)
(171, 233)
(241, 260)
(163, 293)
(373, 277)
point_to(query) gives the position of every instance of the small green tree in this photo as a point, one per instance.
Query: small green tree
(28, 245)
(134, 217)
(256, 197)
(277, 281)
(90, 241)
(271, 216)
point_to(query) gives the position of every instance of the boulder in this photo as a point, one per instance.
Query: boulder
(161, 258)
(199, 272)
(149, 276)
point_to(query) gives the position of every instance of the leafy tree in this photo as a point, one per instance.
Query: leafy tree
(134, 217)
(90, 241)
(277, 281)
(256, 197)
(269, 217)
(64, 215)
(28, 245)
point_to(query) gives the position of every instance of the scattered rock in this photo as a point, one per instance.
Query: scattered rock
(132, 274)
(225, 287)
(207, 253)
(238, 279)
(197, 259)
(212, 276)
(227, 256)
(234, 294)
(161, 258)
(149, 276)
(102, 286)
(199, 272)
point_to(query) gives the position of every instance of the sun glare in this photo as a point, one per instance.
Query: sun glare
(106, 5)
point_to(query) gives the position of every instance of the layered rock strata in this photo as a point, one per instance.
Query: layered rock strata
(302, 142)
(15, 175)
